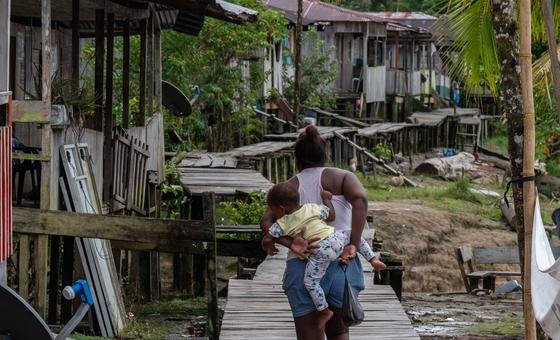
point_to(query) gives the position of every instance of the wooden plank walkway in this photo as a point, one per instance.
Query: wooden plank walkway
(258, 308)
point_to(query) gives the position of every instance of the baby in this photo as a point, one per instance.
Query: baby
(292, 218)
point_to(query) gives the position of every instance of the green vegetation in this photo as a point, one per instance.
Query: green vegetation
(173, 193)
(318, 71)
(504, 326)
(79, 336)
(243, 212)
(453, 197)
(195, 306)
(383, 151)
(428, 6)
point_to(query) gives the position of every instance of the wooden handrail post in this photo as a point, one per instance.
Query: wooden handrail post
(209, 215)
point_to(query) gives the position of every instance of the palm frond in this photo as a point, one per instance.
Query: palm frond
(537, 21)
(475, 60)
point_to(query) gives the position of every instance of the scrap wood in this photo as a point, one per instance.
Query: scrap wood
(377, 161)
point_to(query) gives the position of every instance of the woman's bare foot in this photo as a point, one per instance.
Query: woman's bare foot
(377, 265)
(323, 317)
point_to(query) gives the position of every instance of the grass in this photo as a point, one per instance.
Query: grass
(78, 336)
(505, 326)
(448, 196)
(497, 144)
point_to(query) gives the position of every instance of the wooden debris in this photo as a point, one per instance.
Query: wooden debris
(377, 161)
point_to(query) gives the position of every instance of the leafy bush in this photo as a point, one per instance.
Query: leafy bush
(173, 193)
(460, 190)
(383, 151)
(244, 212)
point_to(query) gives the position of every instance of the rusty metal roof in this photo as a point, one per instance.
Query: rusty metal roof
(415, 20)
(318, 12)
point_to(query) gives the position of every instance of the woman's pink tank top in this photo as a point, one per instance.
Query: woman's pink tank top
(310, 192)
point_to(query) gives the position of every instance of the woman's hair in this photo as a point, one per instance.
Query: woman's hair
(283, 194)
(310, 148)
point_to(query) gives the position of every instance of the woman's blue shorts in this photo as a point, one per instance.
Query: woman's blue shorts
(332, 283)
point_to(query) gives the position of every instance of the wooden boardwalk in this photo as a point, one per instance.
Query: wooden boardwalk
(258, 308)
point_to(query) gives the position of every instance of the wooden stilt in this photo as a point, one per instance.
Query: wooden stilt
(141, 114)
(108, 114)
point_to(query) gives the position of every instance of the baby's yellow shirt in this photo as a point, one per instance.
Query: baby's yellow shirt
(308, 216)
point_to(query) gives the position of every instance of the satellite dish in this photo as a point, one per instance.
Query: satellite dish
(20, 320)
(175, 100)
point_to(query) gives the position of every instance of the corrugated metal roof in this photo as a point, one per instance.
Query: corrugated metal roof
(317, 11)
(404, 15)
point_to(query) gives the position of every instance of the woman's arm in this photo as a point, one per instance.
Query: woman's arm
(356, 195)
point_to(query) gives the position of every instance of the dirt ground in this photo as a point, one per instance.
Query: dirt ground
(463, 316)
(426, 238)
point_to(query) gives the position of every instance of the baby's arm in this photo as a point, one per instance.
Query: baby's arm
(365, 250)
(276, 231)
(326, 197)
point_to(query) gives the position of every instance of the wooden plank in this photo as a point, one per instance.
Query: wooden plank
(31, 111)
(23, 266)
(500, 255)
(108, 114)
(30, 156)
(139, 118)
(165, 232)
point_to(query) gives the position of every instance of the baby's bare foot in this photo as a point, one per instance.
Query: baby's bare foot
(378, 265)
(324, 316)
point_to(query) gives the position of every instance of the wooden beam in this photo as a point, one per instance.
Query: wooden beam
(126, 73)
(76, 49)
(31, 156)
(378, 161)
(99, 59)
(157, 68)
(141, 114)
(31, 111)
(46, 200)
(209, 215)
(347, 121)
(150, 67)
(164, 232)
(108, 114)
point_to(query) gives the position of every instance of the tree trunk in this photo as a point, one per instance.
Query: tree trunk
(552, 50)
(297, 76)
(504, 16)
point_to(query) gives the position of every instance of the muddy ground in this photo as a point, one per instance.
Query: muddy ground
(426, 238)
(463, 316)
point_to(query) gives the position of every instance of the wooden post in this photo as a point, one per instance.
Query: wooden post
(552, 50)
(54, 275)
(108, 116)
(157, 67)
(126, 73)
(150, 68)
(211, 276)
(525, 63)
(42, 241)
(99, 58)
(23, 266)
(141, 114)
(76, 49)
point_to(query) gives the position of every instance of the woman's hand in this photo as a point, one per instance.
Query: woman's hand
(348, 254)
(302, 247)
(268, 245)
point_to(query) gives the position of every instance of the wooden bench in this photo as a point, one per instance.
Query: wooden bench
(469, 257)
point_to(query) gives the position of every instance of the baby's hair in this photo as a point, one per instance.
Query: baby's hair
(283, 194)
